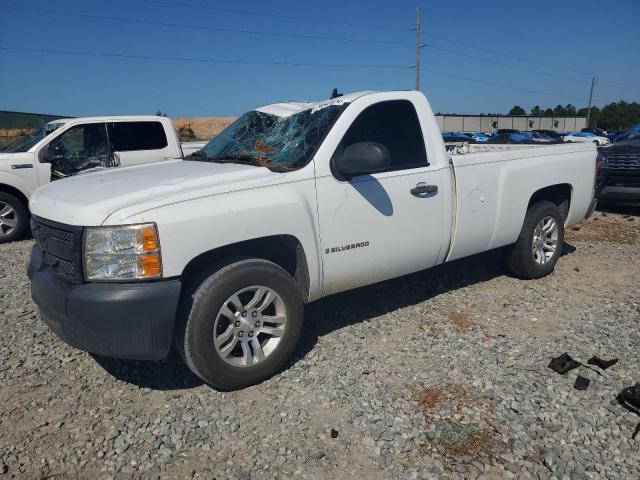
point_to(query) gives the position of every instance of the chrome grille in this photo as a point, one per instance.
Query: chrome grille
(622, 162)
(61, 246)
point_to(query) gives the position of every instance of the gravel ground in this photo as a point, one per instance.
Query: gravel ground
(441, 374)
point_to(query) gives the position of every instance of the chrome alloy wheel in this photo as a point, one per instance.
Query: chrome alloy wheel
(249, 326)
(545, 240)
(8, 219)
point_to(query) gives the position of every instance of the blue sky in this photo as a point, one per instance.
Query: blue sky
(582, 36)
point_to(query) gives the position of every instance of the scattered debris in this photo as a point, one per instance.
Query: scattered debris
(563, 364)
(630, 397)
(603, 364)
(582, 383)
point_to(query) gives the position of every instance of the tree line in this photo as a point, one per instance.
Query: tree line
(614, 116)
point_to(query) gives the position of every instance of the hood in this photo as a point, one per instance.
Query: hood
(89, 199)
(624, 147)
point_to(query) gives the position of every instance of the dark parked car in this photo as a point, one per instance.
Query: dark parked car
(619, 173)
(501, 131)
(549, 133)
(450, 137)
(517, 137)
(596, 131)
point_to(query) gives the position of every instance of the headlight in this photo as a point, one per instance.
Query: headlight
(122, 253)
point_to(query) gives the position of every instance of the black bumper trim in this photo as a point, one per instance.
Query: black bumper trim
(124, 320)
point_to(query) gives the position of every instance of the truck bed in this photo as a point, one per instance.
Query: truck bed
(494, 183)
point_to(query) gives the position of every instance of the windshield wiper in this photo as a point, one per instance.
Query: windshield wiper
(243, 159)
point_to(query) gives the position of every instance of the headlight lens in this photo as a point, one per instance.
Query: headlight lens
(122, 253)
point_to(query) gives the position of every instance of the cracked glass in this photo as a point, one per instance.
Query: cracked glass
(271, 141)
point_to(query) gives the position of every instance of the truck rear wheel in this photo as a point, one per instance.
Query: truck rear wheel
(243, 325)
(14, 218)
(540, 243)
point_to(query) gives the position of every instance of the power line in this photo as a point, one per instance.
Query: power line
(495, 62)
(207, 28)
(274, 15)
(501, 85)
(264, 62)
(199, 59)
(329, 38)
(523, 59)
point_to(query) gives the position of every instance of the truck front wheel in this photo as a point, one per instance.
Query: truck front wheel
(244, 323)
(14, 218)
(540, 243)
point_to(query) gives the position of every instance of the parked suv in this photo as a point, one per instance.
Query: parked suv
(619, 174)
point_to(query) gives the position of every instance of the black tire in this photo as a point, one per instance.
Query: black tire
(520, 259)
(194, 339)
(20, 216)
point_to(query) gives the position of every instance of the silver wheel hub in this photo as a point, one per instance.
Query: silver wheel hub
(545, 240)
(249, 326)
(8, 219)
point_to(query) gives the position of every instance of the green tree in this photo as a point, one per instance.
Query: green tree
(517, 110)
(593, 119)
(569, 110)
(536, 110)
(559, 111)
(618, 115)
(548, 112)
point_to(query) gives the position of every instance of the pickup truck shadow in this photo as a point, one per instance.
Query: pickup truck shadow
(169, 374)
(344, 309)
(332, 313)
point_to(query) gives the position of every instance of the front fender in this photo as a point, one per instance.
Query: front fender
(190, 228)
(26, 186)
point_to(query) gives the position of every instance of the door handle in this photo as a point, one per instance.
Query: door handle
(422, 189)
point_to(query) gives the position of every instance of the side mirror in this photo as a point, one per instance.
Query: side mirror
(52, 153)
(361, 158)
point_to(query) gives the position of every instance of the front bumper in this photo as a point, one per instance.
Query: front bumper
(619, 185)
(125, 320)
(620, 193)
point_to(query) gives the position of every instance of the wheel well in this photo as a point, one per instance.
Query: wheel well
(283, 250)
(559, 194)
(16, 193)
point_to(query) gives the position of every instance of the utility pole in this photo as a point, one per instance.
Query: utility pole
(418, 46)
(593, 82)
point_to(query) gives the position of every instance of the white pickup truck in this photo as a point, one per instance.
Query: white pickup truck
(70, 146)
(292, 202)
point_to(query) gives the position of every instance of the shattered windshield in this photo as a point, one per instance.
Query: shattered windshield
(25, 143)
(266, 140)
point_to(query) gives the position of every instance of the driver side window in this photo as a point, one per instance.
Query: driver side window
(395, 125)
(80, 148)
(83, 143)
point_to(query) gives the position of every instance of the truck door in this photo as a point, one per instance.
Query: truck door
(79, 148)
(384, 224)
